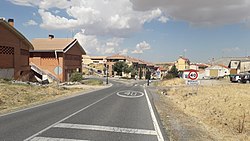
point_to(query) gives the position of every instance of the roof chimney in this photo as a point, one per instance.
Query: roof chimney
(51, 36)
(11, 22)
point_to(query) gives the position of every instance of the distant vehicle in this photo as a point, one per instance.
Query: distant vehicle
(235, 78)
(245, 78)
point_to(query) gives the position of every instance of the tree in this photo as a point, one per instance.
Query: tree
(120, 67)
(174, 71)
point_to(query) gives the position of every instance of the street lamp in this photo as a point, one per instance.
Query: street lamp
(107, 75)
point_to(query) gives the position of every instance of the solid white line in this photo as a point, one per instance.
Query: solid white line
(53, 139)
(67, 118)
(106, 128)
(155, 122)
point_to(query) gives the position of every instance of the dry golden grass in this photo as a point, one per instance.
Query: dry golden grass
(14, 96)
(172, 82)
(224, 109)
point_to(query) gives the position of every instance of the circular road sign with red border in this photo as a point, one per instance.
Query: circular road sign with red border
(193, 75)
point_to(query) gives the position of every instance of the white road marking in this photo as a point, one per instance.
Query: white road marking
(155, 122)
(106, 128)
(53, 139)
(66, 118)
(130, 94)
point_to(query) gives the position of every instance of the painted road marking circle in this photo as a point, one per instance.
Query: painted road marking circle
(130, 94)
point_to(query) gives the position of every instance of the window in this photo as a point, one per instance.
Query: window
(6, 50)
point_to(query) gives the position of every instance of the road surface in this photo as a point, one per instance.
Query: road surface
(119, 113)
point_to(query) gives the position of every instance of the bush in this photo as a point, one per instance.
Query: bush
(169, 76)
(92, 82)
(76, 77)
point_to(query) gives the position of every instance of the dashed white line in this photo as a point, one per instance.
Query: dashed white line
(53, 139)
(28, 139)
(106, 128)
(155, 122)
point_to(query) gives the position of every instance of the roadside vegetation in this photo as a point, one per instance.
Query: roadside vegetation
(15, 96)
(223, 109)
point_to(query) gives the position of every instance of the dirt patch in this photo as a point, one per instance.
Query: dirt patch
(220, 112)
(18, 96)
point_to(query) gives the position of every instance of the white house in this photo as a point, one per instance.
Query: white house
(217, 71)
(186, 72)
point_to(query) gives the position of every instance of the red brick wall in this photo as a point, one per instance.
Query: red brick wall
(69, 62)
(14, 53)
(72, 61)
(47, 62)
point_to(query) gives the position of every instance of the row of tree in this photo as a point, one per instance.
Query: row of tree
(120, 67)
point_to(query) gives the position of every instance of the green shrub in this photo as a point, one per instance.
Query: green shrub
(92, 82)
(169, 76)
(76, 77)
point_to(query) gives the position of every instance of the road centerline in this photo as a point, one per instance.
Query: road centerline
(47, 128)
(106, 128)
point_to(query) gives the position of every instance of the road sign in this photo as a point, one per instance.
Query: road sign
(193, 75)
(130, 94)
(58, 70)
(192, 82)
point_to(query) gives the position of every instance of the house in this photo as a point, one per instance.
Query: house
(14, 52)
(239, 66)
(186, 73)
(56, 58)
(140, 66)
(198, 66)
(160, 72)
(86, 60)
(182, 64)
(94, 64)
(98, 59)
(215, 71)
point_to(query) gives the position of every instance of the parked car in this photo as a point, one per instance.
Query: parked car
(235, 78)
(245, 78)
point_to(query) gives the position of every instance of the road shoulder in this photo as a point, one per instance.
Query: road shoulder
(178, 126)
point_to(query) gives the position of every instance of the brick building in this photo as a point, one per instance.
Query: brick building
(57, 57)
(14, 52)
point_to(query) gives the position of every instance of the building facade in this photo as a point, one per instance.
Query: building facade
(182, 64)
(14, 52)
(58, 58)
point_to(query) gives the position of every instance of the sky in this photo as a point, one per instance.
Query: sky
(151, 30)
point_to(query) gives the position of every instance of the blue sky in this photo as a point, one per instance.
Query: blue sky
(152, 30)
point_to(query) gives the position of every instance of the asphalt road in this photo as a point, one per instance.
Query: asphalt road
(119, 113)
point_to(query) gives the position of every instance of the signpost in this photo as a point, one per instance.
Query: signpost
(193, 80)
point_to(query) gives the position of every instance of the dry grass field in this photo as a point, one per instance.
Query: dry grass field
(223, 109)
(16, 96)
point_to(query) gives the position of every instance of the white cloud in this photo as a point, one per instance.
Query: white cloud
(151, 15)
(51, 21)
(95, 46)
(88, 42)
(30, 23)
(200, 12)
(98, 17)
(137, 52)
(163, 19)
(123, 52)
(141, 47)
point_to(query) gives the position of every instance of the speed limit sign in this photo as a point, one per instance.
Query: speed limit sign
(193, 75)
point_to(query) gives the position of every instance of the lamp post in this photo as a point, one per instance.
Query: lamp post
(107, 75)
